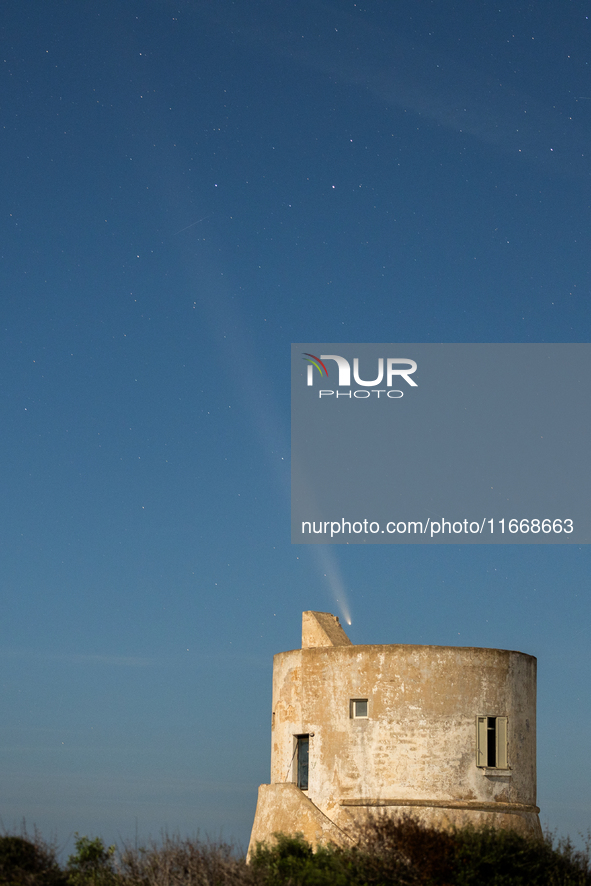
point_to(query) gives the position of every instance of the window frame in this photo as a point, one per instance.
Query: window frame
(492, 742)
(353, 702)
(298, 764)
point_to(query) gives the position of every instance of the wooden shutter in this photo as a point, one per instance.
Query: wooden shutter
(481, 734)
(502, 756)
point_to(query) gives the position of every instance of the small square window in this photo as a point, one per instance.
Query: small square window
(358, 708)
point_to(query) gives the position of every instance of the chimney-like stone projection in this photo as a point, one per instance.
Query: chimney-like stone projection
(445, 733)
(322, 629)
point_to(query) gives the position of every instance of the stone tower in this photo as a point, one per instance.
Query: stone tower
(445, 733)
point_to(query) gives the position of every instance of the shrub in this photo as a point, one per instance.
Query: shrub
(388, 852)
(403, 852)
(504, 858)
(293, 861)
(176, 862)
(28, 862)
(92, 863)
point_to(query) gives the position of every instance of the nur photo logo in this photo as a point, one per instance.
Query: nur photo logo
(388, 369)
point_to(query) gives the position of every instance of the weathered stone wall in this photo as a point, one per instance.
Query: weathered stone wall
(283, 808)
(417, 745)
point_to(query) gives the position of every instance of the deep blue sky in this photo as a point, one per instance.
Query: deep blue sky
(187, 188)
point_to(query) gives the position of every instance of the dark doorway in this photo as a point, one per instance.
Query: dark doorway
(303, 743)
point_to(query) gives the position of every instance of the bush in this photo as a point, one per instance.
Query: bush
(92, 863)
(176, 861)
(292, 861)
(389, 852)
(403, 852)
(503, 858)
(28, 862)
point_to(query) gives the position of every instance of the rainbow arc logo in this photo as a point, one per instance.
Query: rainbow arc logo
(314, 361)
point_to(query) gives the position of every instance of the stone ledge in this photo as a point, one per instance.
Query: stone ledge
(476, 805)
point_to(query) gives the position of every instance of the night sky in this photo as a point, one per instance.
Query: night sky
(187, 188)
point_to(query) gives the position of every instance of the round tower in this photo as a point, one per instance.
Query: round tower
(447, 734)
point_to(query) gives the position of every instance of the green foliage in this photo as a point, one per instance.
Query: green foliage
(92, 863)
(503, 858)
(26, 862)
(402, 852)
(387, 852)
(292, 861)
